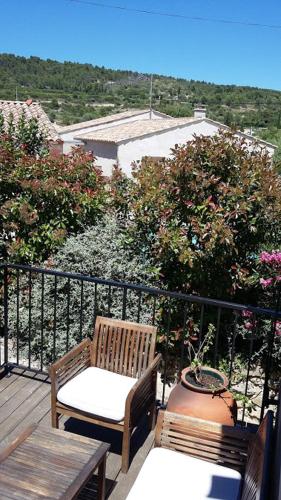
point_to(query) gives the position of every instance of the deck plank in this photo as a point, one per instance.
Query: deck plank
(35, 416)
(18, 408)
(18, 383)
(7, 380)
(25, 399)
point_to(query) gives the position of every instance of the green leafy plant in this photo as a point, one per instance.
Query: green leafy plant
(197, 356)
(44, 199)
(204, 213)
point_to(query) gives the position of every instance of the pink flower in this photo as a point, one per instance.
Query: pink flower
(248, 325)
(278, 328)
(265, 257)
(247, 314)
(265, 283)
(273, 258)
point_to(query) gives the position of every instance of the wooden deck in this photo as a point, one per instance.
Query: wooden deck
(25, 399)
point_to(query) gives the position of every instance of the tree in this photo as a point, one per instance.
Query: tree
(43, 199)
(206, 212)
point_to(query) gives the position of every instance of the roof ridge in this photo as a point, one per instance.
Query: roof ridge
(107, 119)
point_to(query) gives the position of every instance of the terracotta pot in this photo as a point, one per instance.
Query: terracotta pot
(190, 398)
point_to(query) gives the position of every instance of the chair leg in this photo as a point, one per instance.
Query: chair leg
(126, 450)
(55, 419)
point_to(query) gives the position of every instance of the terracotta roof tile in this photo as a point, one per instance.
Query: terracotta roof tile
(132, 130)
(105, 119)
(31, 110)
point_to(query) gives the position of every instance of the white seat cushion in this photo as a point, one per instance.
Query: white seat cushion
(168, 474)
(99, 392)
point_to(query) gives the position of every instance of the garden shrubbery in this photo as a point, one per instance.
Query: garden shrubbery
(193, 223)
(206, 213)
(101, 251)
(43, 197)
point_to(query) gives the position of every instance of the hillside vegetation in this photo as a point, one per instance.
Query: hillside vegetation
(73, 92)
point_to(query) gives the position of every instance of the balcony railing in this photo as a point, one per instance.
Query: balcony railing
(45, 312)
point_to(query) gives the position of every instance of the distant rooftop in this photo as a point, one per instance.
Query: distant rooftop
(132, 130)
(107, 119)
(30, 110)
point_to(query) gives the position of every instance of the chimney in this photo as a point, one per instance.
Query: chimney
(200, 112)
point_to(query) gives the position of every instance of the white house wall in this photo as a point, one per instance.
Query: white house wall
(69, 144)
(105, 154)
(68, 137)
(159, 144)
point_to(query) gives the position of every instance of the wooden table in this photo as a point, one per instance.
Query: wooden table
(50, 463)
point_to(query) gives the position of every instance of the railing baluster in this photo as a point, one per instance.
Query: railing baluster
(55, 317)
(67, 314)
(217, 336)
(233, 347)
(42, 322)
(247, 376)
(201, 322)
(109, 301)
(6, 317)
(139, 307)
(124, 303)
(81, 308)
(95, 305)
(166, 352)
(17, 313)
(154, 310)
(29, 319)
(183, 335)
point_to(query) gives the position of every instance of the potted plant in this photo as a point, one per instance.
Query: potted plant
(196, 374)
(202, 390)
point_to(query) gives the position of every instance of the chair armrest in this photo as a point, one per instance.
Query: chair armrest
(142, 391)
(70, 364)
(203, 439)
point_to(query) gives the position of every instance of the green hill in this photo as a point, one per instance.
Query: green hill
(72, 92)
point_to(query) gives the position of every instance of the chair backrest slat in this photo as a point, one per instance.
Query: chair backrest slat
(141, 351)
(122, 346)
(202, 439)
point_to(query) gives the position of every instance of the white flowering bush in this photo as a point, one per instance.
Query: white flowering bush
(62, 310)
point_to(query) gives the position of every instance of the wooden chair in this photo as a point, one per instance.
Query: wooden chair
(116, 370)
(232, 460)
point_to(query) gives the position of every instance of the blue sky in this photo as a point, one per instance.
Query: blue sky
(221, 53)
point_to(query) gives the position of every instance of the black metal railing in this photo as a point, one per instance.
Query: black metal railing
(45, 312)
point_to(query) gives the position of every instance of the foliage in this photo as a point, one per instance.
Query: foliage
(197, 355)
(265, 331)
(273, 135)
(72, 92)
(101, 252)
(120, 191)
(25, 137)
(205, 212)
(42, 199)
